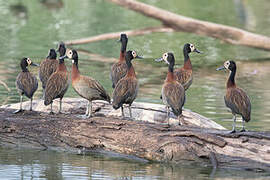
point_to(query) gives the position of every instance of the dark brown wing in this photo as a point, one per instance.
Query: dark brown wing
(184, 77)
(173, 95)
(90, 89)
(238, 101)
(118, 71)
(27, 84)
(47, 67)
(125, 92)
(56, 87)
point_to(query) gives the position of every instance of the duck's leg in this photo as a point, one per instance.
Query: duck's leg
(31, 100)
(122, 110)
(19, 110)
(234, 120)
(243, 126)
(60, 106)
(129, 107)
(51, 112)
(168, 113)
(89, 109)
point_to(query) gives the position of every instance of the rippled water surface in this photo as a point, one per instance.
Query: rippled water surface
(29, 28)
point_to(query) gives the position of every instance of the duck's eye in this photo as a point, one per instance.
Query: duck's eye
(134, 53)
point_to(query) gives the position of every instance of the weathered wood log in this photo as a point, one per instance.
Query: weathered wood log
(181, 23)
(115, 35)
(149, 112)
(139, 139)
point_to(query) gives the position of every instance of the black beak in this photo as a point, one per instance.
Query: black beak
(34, 64)
(197, 51)
(159, 59)
(139, 57)
(220, 68)
(63, 57)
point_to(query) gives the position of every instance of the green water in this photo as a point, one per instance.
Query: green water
(29, 28)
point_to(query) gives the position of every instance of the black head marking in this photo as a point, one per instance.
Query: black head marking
(124, 41)
(52, 54)
(24, 64)
(61, 49)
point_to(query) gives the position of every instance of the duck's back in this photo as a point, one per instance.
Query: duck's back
(173, 94)
(26, 83)
(47, 67)
(184, 77)
(90, 89)
(125, 91)
(238, 101)
(56, 86)
(118, 71)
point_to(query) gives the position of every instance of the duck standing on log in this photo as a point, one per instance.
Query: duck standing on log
(57, 84)
(184, 75)
(173, 93)
(47, 67)
(26, 82)
(86, 87)
(119, 69)
(236, 98)
(126, 89)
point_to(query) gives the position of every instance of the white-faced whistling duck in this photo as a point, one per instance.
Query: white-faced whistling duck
(86, 87)
(236, 98)
(184, 74)
(57, 83)
(26, 82)
(47, 67)
(173, 93)
(126, 89)
(119, 69)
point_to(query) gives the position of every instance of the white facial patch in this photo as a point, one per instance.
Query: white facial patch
(73, 61)
(28, 61)
(69, 54)
(165, 56)
(192, 47)
(227, 64)
(134, 54)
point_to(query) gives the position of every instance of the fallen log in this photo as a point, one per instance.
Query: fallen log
(140, 139)
(175, 22)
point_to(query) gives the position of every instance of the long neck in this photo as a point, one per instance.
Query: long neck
(61, 65)
(122, 56)
(75, 71)
(187, 62)
(24, 69)
(231, 79)
(170, 75)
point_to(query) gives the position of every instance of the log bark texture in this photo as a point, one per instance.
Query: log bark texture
(181, 23)
(137, 139)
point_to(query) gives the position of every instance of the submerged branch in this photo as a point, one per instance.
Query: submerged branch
(5, 85)
(181, 23)
(115, 35)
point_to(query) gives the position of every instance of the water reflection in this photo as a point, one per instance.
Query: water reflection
(26, 164)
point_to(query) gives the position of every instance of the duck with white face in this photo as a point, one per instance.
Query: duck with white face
(236, 99)
(26, 82)
(184, 75)
(173, 93)
(86, 87)
(126, 89)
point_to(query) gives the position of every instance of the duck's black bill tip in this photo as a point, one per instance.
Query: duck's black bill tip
(220, 68)
(34, 64)
(139, 57)
(197, 51)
